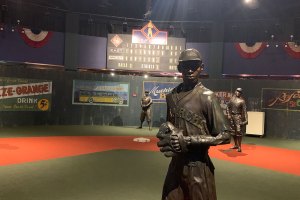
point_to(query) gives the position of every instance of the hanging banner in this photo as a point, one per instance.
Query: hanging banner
(159, 90)
(292, 49)
(35, 38)
(100, 93)
(250, 51)
(25, 94)
(281, 99)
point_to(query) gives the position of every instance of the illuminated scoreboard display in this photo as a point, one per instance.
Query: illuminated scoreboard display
(133, 52)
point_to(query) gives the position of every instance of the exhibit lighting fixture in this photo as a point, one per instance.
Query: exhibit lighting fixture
(248, 1)
(147, 15)
(148, 9)
(125, 26)
(146, 76)
(90, 20)
(110, 27)
(171, 30)
(251, 3)
(183, 33)
(271, 42)
(112, 74)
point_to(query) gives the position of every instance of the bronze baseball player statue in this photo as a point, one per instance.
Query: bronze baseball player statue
(237, 115)
(195, 121)
(146, 103)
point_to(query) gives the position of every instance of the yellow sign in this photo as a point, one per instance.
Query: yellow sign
(43, 104)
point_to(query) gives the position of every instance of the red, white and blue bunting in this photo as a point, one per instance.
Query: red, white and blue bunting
(250, 51)
(292, 49)
(35, 38)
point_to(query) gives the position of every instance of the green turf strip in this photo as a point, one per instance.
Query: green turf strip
(132, 175)
(242, 182)
(74, 130)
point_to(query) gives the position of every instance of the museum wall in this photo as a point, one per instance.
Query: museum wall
(278, 123)
(66, 55)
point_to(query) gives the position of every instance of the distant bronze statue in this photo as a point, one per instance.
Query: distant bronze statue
(146, 103)
(195, 121)
(237, 114)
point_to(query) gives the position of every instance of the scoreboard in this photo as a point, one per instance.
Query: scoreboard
(124, 54)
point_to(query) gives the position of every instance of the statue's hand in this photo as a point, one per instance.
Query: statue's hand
(164, 136)
(171, 139)
(244, 123)
(175, 142)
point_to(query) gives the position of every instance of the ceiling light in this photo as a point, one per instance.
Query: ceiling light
(251, 3)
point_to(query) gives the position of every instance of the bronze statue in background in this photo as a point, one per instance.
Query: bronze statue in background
(195, 121)
(237, 114)
(146, 103)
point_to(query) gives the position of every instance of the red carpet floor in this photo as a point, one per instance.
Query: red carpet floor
(22, 150)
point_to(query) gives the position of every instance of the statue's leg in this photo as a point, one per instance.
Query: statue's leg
(235, 146)
(239, 138)
(149, 125)
(142, 119)
(149, 118)
(233, 127)
(141, 126)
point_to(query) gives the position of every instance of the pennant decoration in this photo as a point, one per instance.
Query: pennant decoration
(247, 50)
(35, 38)
(292, 49)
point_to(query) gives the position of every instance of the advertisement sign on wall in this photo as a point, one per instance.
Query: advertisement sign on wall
(100, 93)
(158, 90)
(25, 94)
(281, 99)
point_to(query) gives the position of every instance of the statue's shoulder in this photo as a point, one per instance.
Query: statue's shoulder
(174, 90)
(202, 90)
(242, 100)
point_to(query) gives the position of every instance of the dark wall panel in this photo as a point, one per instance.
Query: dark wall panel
(92, 52)
(13, 48)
